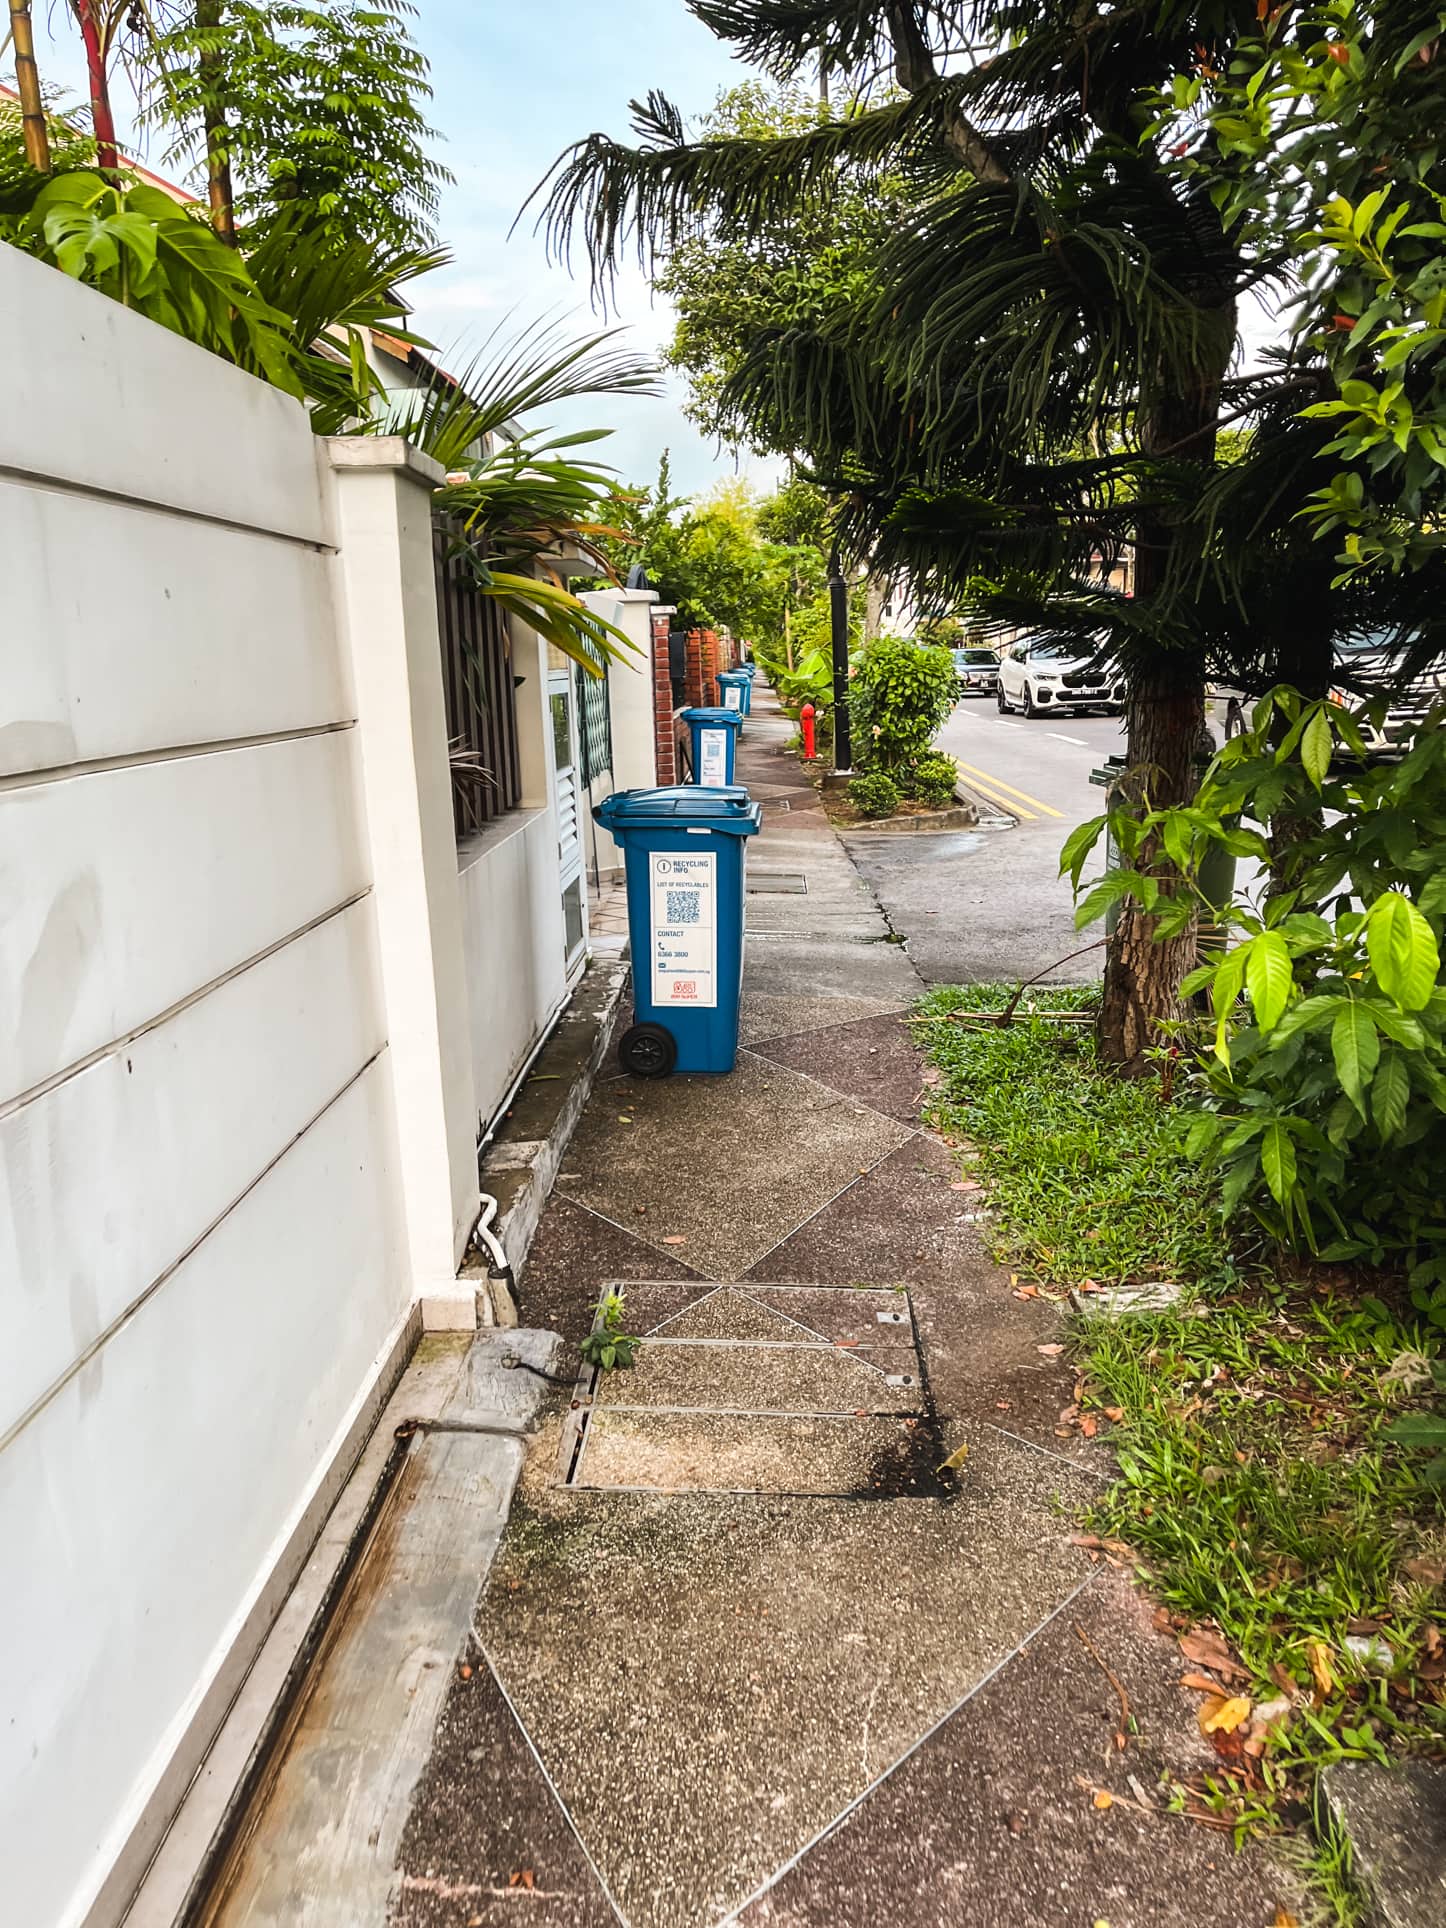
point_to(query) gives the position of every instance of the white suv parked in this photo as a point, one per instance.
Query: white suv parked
(1038, 677)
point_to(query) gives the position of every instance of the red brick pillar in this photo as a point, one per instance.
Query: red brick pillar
(695, 671)
(711, 666)
(663, 750)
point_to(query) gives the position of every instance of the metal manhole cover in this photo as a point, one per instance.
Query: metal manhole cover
(806, 1390)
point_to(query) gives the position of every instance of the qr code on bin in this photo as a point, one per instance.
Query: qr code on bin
(683, 906)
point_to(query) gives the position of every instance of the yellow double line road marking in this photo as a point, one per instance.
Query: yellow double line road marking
(1018, 802)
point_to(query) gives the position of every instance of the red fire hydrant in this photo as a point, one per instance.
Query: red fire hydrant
(805, 723)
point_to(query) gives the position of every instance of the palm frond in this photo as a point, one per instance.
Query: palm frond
(513, 373)
(646, 200)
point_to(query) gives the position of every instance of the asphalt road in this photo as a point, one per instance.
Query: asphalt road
(989, 905)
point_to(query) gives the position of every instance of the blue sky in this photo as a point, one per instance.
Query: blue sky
(514, 85)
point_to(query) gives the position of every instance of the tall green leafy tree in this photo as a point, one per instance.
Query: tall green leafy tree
(1321, 138)
(1053, 278)
(798, 268)
(317, 111)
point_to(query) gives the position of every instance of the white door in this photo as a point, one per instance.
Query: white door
(568, 799)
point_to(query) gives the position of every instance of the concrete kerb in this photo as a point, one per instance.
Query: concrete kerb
(520, 1164)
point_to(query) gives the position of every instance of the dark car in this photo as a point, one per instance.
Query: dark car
(976, 671)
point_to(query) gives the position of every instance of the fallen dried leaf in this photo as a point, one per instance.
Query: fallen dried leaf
(1026, 1292)
(1089, 1425)
(1285, 1919)
(674, 1239)
(1218, 1716)
(1114, 1414)
(1430, 1573)
(955, 1460)
(1104, 1798)
(465, 1671)
(1049, 1352)
(1200, 1684)
(1207, 1649)
(1319, 1656)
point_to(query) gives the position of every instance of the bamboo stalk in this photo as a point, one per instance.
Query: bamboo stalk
(27, 81)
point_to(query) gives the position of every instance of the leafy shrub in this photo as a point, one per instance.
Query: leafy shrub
(1324, 1103)
(931, 779)
(899, 696)
(874, 795)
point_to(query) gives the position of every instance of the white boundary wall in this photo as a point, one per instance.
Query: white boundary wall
(237, 1116)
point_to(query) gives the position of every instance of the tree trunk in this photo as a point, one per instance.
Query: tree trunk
(107, 149)
(1166, 710)
(27, 84)
(213, 118)
(1143, 974)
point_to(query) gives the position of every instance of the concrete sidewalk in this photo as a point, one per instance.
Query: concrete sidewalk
(750, 1651)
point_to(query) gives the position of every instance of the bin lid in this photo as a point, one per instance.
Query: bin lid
(727, 719)
(730, 811)
(732, 676)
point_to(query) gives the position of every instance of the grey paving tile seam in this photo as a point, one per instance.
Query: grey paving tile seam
(777, 1037)
(839, 1097)
(858, 1801)
(793, 1231)
(865, 1172)
(1075, 1465)
(563, 1809)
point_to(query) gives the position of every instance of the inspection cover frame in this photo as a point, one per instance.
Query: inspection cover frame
(806, 1413)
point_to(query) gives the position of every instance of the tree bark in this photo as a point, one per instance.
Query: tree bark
(219, 191)
(27, 84)
(1166, 713)
(1142, 973)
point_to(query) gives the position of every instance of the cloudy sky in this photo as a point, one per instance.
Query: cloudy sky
(514, 85)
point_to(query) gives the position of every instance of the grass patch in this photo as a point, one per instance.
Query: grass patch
(1087, 1175)
(1258, 1490)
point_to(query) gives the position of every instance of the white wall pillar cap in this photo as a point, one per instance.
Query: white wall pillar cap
(384, 452)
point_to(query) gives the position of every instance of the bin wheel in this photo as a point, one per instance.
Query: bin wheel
(648, 1051)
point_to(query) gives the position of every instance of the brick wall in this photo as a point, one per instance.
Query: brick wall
(663, 747)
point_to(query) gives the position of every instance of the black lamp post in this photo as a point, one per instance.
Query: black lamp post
(838, 604)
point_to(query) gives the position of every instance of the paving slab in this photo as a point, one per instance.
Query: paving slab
(710, 1680)
(899, 1224)
(854, 1457)
(831, 967)
(872, 1058)
(764, 1016)
(1395, 1820)
(848, 1315)
(576, 1256)
(729, 1314)
(992, 1822)
(725, 1169)
(752, 1378)
(482, 1818)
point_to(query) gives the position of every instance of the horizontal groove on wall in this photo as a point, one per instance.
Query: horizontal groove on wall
(147, 505)
(9, 1106)
(173, 753)
(122, 1318)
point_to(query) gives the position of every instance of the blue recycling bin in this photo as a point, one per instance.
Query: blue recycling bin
(735, 691)
(715, 745)
(749, 669)
(684, 850)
